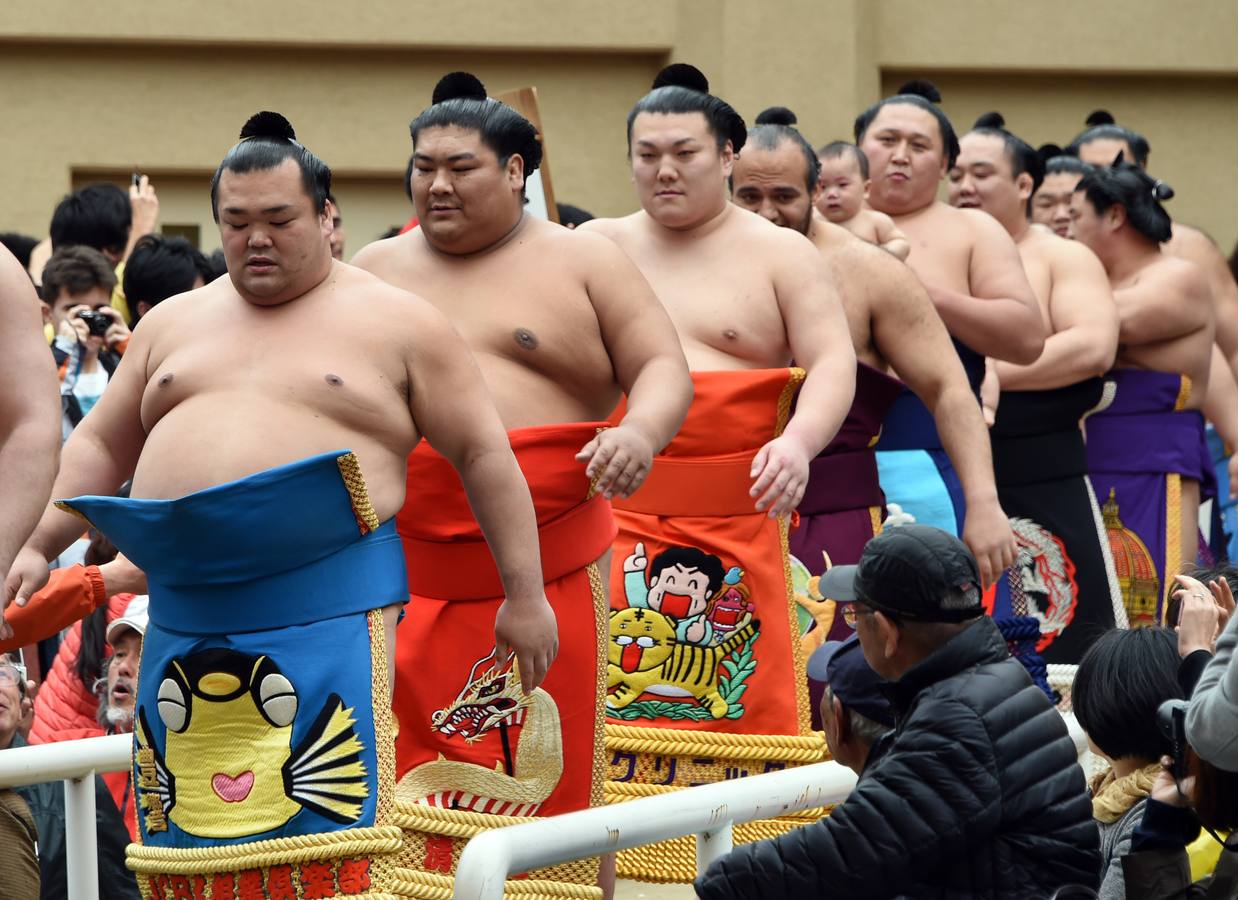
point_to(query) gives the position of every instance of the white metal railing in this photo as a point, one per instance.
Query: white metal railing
(75, 763)
(708, 812)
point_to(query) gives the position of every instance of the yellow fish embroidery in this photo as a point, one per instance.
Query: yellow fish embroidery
(228, 768)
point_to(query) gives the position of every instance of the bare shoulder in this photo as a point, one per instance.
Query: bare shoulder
(381, 256)
(615, 229)
(1185, 274)
(1191, 241)
(779, 246)
(878, 217)
(981, 225)
(1064, 253)
(578, 244)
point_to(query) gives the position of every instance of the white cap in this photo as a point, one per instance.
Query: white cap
(135, 617)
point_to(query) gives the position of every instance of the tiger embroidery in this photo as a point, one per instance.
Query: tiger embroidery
(644, 655)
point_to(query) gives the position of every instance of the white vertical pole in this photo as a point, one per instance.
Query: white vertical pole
(712, 845)
(80, 847)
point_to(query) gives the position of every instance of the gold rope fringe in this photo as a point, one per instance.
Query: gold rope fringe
(278, 851)
(350, 471)
(674, 861)
(384, 725)
(601, 618)
(791, 748)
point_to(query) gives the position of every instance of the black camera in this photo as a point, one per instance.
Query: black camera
(1171, 720)
(97, 322)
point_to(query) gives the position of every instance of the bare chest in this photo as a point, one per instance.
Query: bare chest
(940, 251)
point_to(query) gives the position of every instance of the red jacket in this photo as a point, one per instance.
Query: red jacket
(70, 595)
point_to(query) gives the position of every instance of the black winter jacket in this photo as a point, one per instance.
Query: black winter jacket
(976, 794)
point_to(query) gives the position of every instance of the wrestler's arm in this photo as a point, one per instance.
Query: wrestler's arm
(1195, 246)
(1006, 322)
(1084, 338)
(820, 341)
(889, 237)
(648, 362)
(909, 334)
(29, 414)
(1164, 303)
(454, 412)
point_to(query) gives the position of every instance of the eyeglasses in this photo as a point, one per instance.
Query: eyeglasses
(853, 610)
(13, 673)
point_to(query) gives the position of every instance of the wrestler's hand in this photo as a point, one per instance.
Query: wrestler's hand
(781, 472)
(1198, 616)
(28, 573)
(987, 533)
(120, 576)
(619, 458)
(526, 628)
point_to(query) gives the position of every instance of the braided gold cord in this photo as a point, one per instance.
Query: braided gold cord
(601, 619)
(350, 471)
(790, 748)
(278, 851)
(64, 507)
(1173, 536)
(384, 725)
(463, 823)
(795, 377)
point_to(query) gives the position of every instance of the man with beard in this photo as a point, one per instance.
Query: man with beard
(892, 324)
(746, 300)
(972, 272)
(1143, 449)
(1065, 578)
(119, 692)
(563, 325)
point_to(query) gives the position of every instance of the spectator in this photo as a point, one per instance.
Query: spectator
(40, 812)
(337, 228)
(67, 706)
(855, 715)
(1158, 867)
(1121, 682)
(19, 865)
(977, 792)
(102, 217)
(1199, 611)
(90, 335)
(159, 268)
(118, 691)
(218, 265)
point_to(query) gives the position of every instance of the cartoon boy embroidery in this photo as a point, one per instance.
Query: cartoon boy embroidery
(681, 582)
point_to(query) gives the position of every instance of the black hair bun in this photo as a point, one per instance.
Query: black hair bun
(458, 86)
(1047, 152)
(920, 87)
(1162, 191)
(268, 124)
(991, 120)
(1099, 117)
(682, 75)
(777, 115)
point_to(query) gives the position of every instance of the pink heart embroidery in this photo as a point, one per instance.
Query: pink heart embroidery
(232, 790)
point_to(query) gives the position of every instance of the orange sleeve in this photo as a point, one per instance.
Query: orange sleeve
(70, 594)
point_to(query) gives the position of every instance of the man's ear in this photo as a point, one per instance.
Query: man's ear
(515, 171)
(728, 159)
(888, 634)
(842, 721)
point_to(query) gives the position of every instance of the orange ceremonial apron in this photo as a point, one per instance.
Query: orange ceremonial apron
(705, 670)
(473, 752)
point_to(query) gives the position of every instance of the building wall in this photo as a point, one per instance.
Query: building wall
(93, 90)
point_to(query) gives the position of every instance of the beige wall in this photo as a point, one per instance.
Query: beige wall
(98, 88)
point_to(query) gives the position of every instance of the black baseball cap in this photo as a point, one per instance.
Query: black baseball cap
(841, 666)
(913, 572)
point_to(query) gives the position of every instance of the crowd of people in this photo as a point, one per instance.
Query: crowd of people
(509, 518)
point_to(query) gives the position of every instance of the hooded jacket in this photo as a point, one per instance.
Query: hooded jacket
(976, 794)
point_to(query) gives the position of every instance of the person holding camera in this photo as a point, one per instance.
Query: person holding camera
(90, 334)
(1122, 680)
(1198, 785)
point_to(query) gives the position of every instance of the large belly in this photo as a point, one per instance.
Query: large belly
(213, 439)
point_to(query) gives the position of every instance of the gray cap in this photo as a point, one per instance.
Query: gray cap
(1212, 720)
